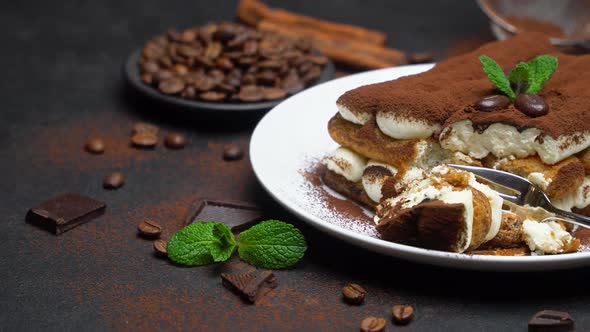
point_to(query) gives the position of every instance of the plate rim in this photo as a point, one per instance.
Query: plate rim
(132, 76)
(405, 252)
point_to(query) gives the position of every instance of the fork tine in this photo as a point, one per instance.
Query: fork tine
(510, 198)
(502, 178)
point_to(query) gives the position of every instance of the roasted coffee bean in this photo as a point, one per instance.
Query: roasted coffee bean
(189, 92)
(175, 141)
(550, 320)
(224, 33)
(493, 102)
(147, 78)
(266, 77)
(312, 75)
(248, 79)
(227, 88)
(150, 66)
(179, 69)
(204, 83)
(292, 84)
(171, 86)
(213, 96)
(373, 324)
(113, 181)
(353, 294)
(274, 93)
(142, 127)
(94, 145)
(224, 63)
(161, 248)
(149, 229)
(162, 75)
(232, 152)
(532, 105)
(213, 50)
(144, 140)
(153, 51)
(166, 61)
(250, 93)
(319, 60)
(402, 313)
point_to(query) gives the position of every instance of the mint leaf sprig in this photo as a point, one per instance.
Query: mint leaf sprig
(524, 78)
(271, 244)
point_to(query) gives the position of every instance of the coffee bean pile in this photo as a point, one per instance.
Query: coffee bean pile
(229, 62)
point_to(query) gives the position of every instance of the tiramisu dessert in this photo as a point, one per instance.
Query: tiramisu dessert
(516, 105)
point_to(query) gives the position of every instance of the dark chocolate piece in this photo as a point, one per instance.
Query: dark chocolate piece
(250, 286)
(550, 320)
(64, 212)
(236, 215)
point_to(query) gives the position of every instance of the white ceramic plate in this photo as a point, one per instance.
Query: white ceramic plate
(294, 135)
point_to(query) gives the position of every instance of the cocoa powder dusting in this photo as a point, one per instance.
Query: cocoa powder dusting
(446, 93)
(523, 23)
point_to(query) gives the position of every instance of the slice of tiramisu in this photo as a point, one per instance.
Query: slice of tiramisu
(518, 115)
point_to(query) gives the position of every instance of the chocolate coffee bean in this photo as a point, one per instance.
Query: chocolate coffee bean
(532, 105)
(493, 102)
(353, 294)
(149, 229)
(94, 145)
(402, 313)
(232, 152)
(175, 141)
(113, 181)
(171, 86)
(160, 247)
(373, 324)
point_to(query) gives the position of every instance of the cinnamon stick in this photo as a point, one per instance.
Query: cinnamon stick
(253, 11)
(342, 50)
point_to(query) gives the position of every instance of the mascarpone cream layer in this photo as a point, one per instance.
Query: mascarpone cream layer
(545, 238)
(504, 141)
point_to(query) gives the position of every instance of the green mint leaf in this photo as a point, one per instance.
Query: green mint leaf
(496, 75)
(541, 69)
(519, 77)
(201, 243)
(272, 244)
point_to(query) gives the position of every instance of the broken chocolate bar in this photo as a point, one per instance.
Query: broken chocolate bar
(236, 215)
(550, 320)
(250, 286)
(64, 212)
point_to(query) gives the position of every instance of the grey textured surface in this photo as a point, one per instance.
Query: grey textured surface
(61, 82)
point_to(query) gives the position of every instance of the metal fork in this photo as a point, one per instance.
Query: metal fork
(527, 192)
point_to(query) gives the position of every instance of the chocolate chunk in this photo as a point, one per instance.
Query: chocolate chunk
(64, 212)
(250, 286)
(113, 181)
(236, 215)
(532, 105)
(493, 102)
(550, 320)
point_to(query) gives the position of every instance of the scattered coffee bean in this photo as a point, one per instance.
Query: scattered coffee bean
(171, 86)
(550, 320)
(493, 102)
(144, 140)
(373, 324)
(233, 152)
(149, 229)
(532, 105)
(94, 145)
(402, 313)
(175, 141)
(215, 61)
(113, 181)
(142, 127)
(160, 247)
(420, 57)
(353, 294)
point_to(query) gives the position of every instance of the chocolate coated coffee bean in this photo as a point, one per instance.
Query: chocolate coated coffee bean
(373, 324)
(149, 229)
(175, 141)
(113, 181)
(160, 247)
(232, 152)
(144, 140)
(94, 145)
(353, 294)
(492, 102)
(532, 105)
(402, 313)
